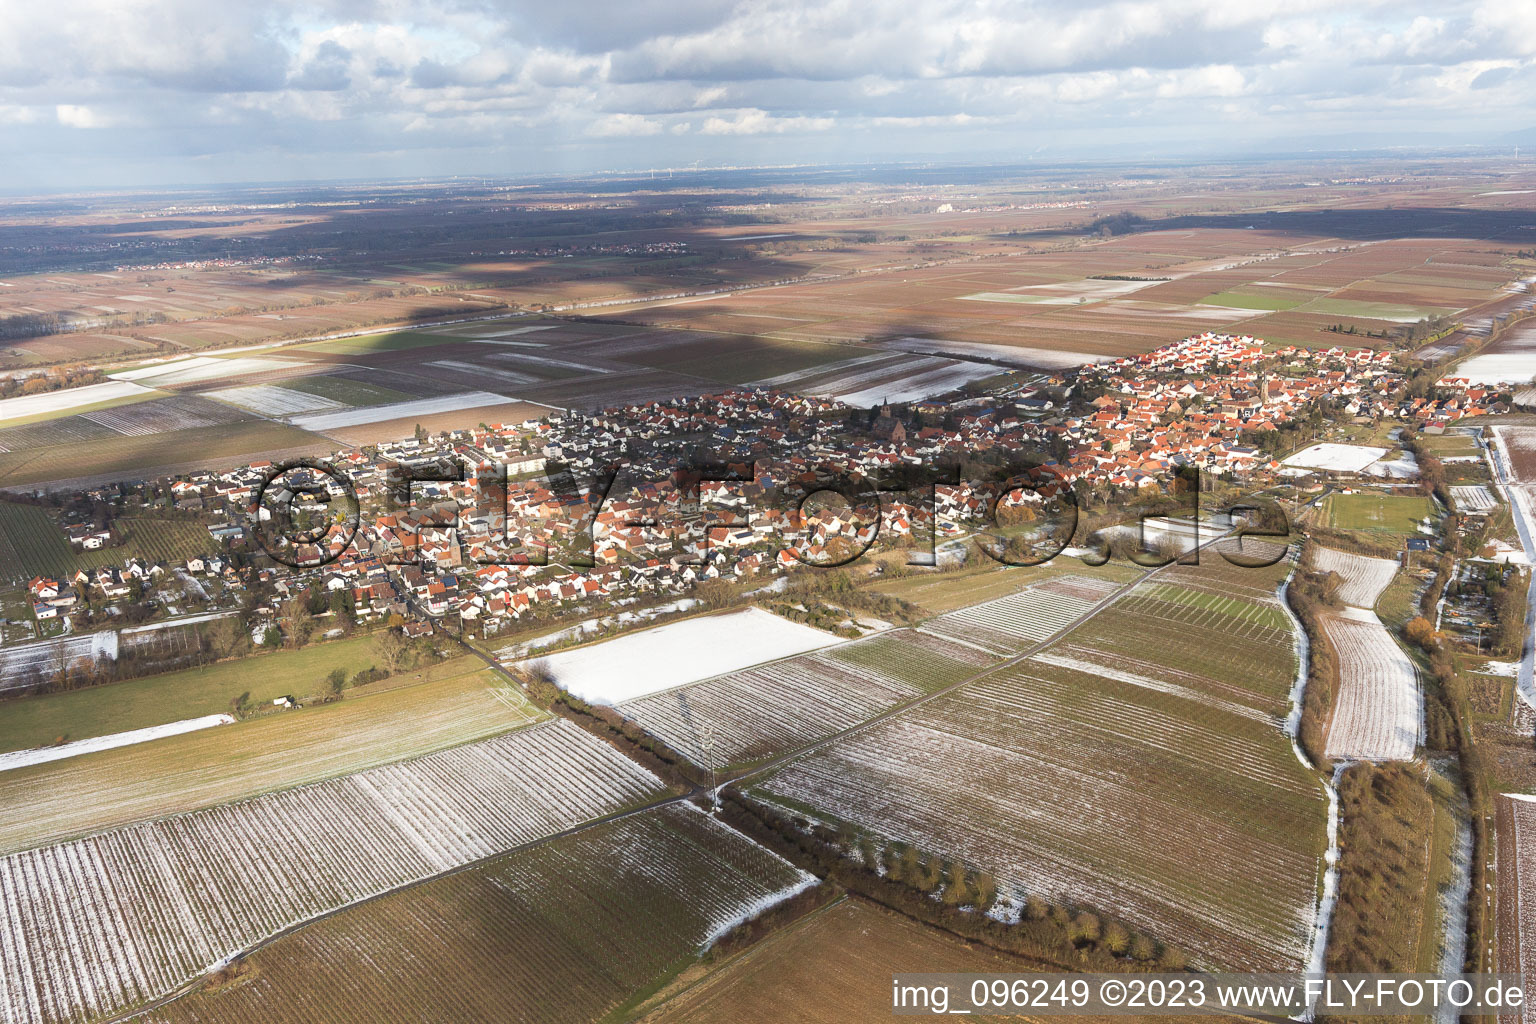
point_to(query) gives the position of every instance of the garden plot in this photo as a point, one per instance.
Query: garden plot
(760, 712)
(1178, 815)
(679, 653)
(271, 400)
(1364, 577)
(400, 410)
(1379, 712)
(1008, 625)
(98, 925)
(183, 412)
(70, 398)
(1336, 458)
(1473, 498)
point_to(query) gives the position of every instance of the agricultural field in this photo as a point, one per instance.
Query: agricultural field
(1376, 512)
(1516, 831)
(33, 544)
(137, 457)
(461, 703)
(760, 712)
(1007, 625)
(678, 653)
(189, 693)
(833, 967)
(957, 588)
(1336, 458)
(466, 406)
(1364, 577)
(871, 380)
(346, 390)
(1473, 498)
(53, 403)
(1137, 764)
(575, 928)
(101, 924)
(1379, 712)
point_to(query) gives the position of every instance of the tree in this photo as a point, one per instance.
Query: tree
(392, 648)
(297, 620)
(986, 890)
(1116, 939)
(1142, 947)
(337, 680)
(1421, 632)
(958, 892)
(225, 636)
(1085, 928)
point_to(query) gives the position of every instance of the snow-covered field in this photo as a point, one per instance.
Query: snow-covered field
(23, 665)
(1063, 293)
(68, 398)
(920, 383)
(1514, 364)
(399, 410)
(1473, 497)
(201, 368)
(168, 366)
(1364, 577)
(760, 712)
(1015, 355)
(42, 755)
(1007, 625)
(678, 653)
(95, 926)
(1340, 458)
(506, 376)
(271, 400)
(1404, 467)
(867, 381)
(1379, 711)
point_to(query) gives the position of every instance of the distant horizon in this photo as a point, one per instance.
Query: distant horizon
(96, 94)
(1084, 163)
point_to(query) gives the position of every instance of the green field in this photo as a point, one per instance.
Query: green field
(129, 457)
(33, 544)
(392, 341)
(1275, 301)
(1378, 513)
(173, 696)
(452, 703)
(348, 392)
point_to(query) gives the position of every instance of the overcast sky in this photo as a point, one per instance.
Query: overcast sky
(104, 92)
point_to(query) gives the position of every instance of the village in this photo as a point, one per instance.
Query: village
(487, 548)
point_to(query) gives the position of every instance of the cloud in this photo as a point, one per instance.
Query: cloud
(73, 116)
(258, 88)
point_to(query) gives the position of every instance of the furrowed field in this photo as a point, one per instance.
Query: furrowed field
(759, 712)
(101, 924)
(79, 795)
(1137, 764)
(558, 934)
